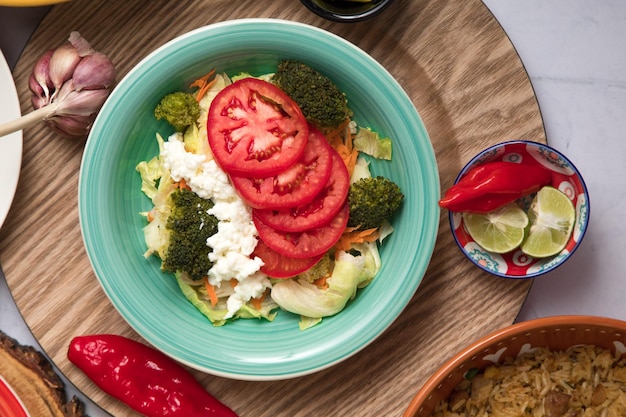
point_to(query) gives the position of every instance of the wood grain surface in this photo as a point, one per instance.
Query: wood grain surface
(468, 84)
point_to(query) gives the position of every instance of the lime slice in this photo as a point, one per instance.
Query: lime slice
(498, 231)
(552, 218)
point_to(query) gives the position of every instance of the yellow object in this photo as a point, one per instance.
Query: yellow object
(552, 216)
(498, 231)
(29, 3)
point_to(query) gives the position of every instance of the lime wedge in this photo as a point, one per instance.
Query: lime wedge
(552, 217)
(498, 231)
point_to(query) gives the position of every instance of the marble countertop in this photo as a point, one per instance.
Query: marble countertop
(577, 66)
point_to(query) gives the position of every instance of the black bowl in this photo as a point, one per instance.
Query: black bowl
(346, 11)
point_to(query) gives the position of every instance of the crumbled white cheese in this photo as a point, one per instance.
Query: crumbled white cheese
(236, 235)
(353, 127)
(255, 286)
(180, 163)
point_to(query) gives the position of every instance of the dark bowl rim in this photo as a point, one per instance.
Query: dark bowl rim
(347, 17)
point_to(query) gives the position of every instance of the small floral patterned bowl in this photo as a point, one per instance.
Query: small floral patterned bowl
(565, 177)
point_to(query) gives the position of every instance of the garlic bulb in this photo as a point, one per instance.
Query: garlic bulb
(69, 85)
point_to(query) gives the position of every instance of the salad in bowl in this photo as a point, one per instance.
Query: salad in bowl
(263, 196)
(170, 309)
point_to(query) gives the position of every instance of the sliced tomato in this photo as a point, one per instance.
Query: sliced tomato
(318, 212)
(304, 244)
(279, 266)
(255, 129)
(297, 185)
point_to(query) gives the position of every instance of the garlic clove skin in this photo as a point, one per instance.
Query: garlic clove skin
(38, 92)
(94, 72)
(62, 64)
(71, 127)
(41, 76)
(38, 102)
(81, 103)
(82, 46)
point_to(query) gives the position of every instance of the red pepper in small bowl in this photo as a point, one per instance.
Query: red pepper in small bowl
(147, 380)
(493, 185)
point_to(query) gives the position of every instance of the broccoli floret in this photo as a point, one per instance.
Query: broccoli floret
(321, 101)
(190, 226)
(178, 109)
(323, 268)
(372, 201)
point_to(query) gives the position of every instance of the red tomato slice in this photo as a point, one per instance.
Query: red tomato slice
(318, 212)
(298, 184)
(279, 266)
(304, 244)
(255, 129)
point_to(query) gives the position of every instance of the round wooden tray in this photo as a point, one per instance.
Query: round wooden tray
(34, 382)
(469, 86)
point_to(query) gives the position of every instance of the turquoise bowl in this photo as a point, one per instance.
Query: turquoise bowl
(110, 201)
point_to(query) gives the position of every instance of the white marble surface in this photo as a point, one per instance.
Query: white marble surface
(575, 56)
(574, 53)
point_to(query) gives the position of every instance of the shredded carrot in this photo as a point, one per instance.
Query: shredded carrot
(257, 302)
(341, 139)
(204, 83)
(210, 289)
(321, 282)
(182, 184)
(233, 282)
(348, 156)
(151, 215)
(351, 236)
(338, 131)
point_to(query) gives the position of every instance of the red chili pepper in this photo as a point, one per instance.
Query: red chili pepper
(493, 185)
(145, 379)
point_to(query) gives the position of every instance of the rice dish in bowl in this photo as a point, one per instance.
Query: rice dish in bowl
(561, 366)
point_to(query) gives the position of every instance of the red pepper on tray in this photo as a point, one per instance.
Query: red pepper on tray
(145, 379)
(493, 185)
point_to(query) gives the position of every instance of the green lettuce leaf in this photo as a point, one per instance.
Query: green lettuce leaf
(216, 314)
(350, 272)
(370, 143)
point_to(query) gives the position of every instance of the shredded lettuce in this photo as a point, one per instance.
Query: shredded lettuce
(151, 172)
(265, 77)
(350, 272)
(217, 314)
(370, 143)
(361, 170)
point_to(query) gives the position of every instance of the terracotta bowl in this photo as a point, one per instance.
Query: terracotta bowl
(555, 333)
(565, 177)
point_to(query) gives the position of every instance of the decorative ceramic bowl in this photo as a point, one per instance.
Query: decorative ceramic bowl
(110, 200)
(555, 333)
(346, 10)
(565, 177)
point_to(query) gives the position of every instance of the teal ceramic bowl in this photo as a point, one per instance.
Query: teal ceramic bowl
(110, 200)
